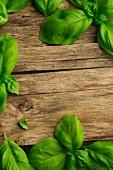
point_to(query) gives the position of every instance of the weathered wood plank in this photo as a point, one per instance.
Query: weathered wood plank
(76, 80)
(43, 111)
(75, 56)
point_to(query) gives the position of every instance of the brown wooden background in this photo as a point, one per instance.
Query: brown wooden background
(57, 80)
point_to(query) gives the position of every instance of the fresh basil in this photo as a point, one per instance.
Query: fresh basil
(105, 36)
(16, 5)
(8, 54)
(4, 1)
(3, 13)
(8, 60)
(10, 6)
(11, 84)
(12, 157)
(101, 153)
(3, 97)
(83, 160)
(71, 163)
(106, 7)
(23, 123)
(47, 6)
(48, 154)
(79, 3)
(64, 27)
(69, 132)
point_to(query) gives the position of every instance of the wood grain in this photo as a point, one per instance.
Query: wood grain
(77, 56)
(57, 80)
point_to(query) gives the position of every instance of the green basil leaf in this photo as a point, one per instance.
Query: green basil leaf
(83, 161)
(4, 1)
(8, 54)
(69, 132)
(106, 7)
(105, 36)
(3, 13)
(47, 6)
(12, 157)
(64, 27)
(101, 153)
(31, 168)
(79, 3)
(3, 97)
(23, 123)
(11, 84)
(16, 5)
(48, 154)
(70, 165)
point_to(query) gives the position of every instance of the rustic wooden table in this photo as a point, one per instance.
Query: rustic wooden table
(57, 80)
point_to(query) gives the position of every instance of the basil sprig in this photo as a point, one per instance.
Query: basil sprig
(65, 26)
(63, 154)
(67, 152)
(8, 60)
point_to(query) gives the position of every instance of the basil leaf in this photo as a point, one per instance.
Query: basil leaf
(106, 7)
(8, 54)
(70, 165)
(105, 36)
(101, 153)
(11, 84)
(23, 123)
(69, 132)
(47, 6)
(16, 5)
(3, 13)
(64, 27)
(12, 157)
(48, 154)
(79, 3)
(4, 1)
(31, 168)
(83, 161)
(3, 97)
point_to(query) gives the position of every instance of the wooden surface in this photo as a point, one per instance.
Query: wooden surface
(57, 80)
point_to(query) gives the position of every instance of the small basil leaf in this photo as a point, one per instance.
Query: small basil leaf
(3, 13)
(69, 132)
(47, 6)
(23, 123)
(16, 5)
(101, 153)
(83, 160)
(3, 97)
(12, 157)
(105, 36)
(8, 54)
(64, 27)
(70, 165)
(48, 154)
(11, 84)
(106, 7)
